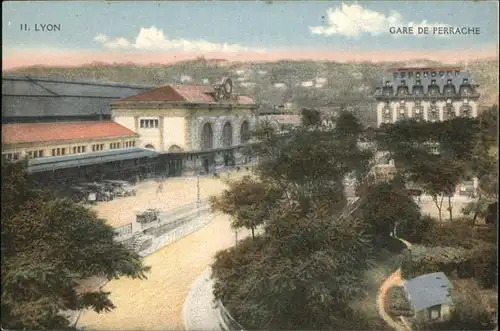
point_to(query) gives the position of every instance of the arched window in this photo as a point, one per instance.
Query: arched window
(227, 135)
(207, 137)
(245, 132)
(149, 146)
(174, 149)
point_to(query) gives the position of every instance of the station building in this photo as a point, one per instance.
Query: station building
(81, 131)
(66, 152)
(65, 130)
(194, 128)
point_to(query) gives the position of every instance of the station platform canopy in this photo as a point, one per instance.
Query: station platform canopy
(80, 160)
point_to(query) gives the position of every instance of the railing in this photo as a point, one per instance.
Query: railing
(123, 231)
(175, 213)
(227, 322)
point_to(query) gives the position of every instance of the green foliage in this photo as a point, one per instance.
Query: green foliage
(410, 142)
(387, 205)
(308, 266)
(477, 262)
(48, 245)
(415, 230)
(310, 117)
(301, 274)
(248, 201)
(397, 302)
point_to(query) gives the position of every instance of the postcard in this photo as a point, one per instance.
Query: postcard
(231, 165)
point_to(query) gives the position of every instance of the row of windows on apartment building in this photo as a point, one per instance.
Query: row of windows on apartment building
(418, 114)
(14, 156)
(426, 74)
(465, 81)
(433, 103)
(149, 124)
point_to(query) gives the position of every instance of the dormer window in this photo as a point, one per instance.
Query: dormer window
(426, 74)
(417, 75)
(433, 74)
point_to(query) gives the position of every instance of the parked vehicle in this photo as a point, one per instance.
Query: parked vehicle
(103, 191)
(83, 194)
(121, 188)
(148, 216)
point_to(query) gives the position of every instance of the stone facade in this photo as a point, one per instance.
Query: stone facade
(176, 128)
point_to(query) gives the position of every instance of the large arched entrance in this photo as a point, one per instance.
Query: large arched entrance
(227, 142)
(245, 132)
(227, 135)
(207, 137)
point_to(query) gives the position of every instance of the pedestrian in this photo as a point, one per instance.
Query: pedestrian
(160, 188)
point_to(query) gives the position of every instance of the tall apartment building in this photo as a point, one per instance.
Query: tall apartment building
(430, 94)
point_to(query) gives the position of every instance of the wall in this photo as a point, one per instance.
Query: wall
(183, 127)
(170, 131)
(217, 120)
(174, 132)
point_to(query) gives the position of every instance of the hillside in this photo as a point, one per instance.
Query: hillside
(300, 83)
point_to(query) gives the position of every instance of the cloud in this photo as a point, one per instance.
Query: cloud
(153, 39)
(353, 21)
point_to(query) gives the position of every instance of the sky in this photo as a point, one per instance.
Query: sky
(162, 32)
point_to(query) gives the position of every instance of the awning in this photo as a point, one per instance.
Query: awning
(80, 160)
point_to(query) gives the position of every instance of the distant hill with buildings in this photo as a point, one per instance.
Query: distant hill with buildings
(299, 84)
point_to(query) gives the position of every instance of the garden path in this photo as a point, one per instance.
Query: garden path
(394, 279)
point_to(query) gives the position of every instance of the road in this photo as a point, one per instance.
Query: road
(156, 303)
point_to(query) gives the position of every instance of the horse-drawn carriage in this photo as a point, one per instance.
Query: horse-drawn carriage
(148, 216)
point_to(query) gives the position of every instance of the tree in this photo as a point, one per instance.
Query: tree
(48, 246)
(388, 206)
(248, 201)
(310, 117)
(484, 163)
(307, 267)
(436, 156)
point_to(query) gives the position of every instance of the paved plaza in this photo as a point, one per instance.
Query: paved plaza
(156, 303)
